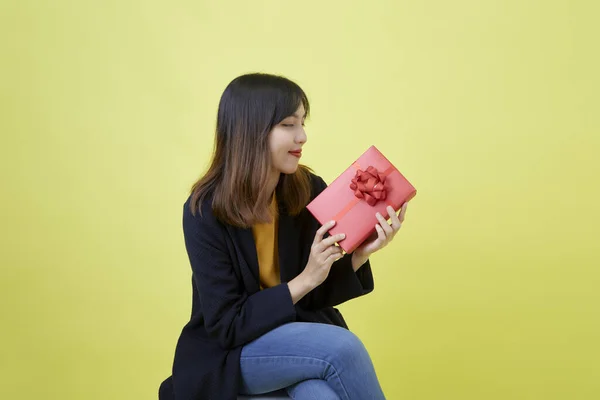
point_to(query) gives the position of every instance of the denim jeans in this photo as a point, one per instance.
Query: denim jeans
(311, 361)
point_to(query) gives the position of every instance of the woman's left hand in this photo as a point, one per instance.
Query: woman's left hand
(384, 233)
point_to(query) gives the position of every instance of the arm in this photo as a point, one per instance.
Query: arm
(230, 315)
(349, 277)
(342, 284)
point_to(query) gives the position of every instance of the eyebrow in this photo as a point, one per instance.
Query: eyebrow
(298, 116)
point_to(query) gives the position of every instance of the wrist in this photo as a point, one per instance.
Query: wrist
(358, 260)
(299, 287)
(306, 282)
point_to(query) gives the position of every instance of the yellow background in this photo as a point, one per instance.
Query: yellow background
(490, 108)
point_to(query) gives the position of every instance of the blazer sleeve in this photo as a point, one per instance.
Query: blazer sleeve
(231, 316)
(342, 283)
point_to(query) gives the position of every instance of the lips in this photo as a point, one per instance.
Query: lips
(296, 153)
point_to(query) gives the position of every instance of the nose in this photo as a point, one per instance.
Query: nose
(301, 137)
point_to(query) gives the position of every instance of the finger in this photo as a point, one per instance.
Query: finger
(403, 211)
(396, 224)
(380, 233)
(322, 230)
(384, 224)
(333, 258)
(333, 239)
(332, 250)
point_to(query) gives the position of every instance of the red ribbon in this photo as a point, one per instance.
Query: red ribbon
(369, 185)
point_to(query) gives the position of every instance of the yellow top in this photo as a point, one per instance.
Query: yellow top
(265, 238)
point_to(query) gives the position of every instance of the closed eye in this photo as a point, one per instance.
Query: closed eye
(291, 125)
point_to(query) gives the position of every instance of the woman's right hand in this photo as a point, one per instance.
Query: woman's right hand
(323, 254)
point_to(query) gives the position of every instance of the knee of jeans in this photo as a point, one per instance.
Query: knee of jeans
(348, 348)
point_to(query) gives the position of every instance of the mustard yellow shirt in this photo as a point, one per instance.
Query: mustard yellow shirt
(265, 238)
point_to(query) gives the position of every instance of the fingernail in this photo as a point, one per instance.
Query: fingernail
(343, 235)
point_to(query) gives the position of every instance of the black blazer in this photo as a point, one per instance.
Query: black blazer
(228, 307)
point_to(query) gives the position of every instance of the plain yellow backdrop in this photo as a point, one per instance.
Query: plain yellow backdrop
(490, 108)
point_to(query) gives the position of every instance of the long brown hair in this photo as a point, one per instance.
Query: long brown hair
(240, 169)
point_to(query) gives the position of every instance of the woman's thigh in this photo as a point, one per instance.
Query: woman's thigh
(312, 389)
(299, 351)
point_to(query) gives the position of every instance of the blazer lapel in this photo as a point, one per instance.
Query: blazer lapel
(288, 242)
(248, 249)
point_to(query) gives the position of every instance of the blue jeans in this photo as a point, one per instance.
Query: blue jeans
(311, 361)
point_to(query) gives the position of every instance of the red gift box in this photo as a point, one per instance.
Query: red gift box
(368, 186)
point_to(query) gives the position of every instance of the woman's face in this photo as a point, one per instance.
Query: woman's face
(286, 140)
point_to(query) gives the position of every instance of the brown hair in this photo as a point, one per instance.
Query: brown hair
(240, 169)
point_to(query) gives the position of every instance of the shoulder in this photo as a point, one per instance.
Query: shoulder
(199, 216)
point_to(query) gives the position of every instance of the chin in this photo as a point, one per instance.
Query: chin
(288, 170)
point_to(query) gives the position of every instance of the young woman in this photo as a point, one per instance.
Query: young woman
(266, 276)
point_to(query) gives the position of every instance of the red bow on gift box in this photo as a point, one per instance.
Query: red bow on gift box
(369, 185)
